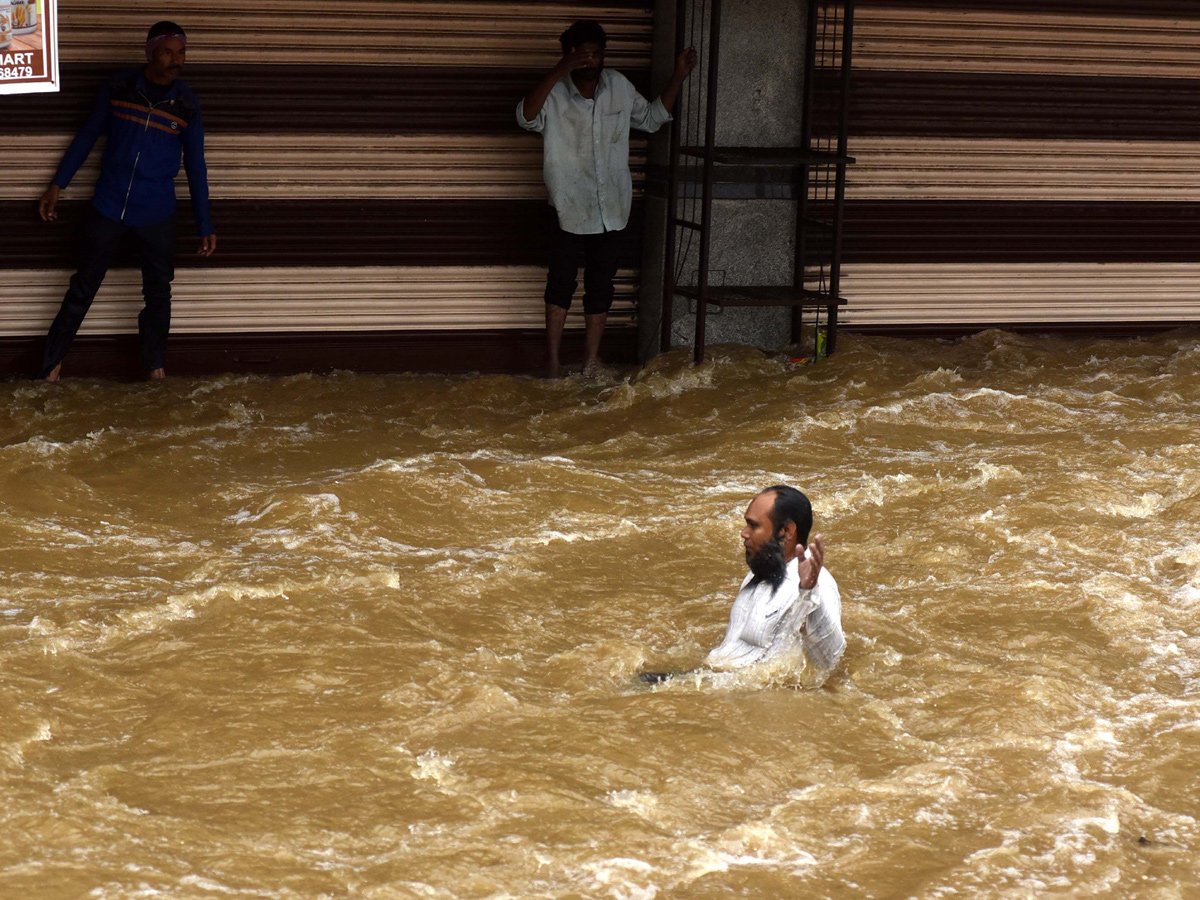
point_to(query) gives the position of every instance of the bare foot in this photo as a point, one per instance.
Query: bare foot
(594, 370)
(158, 374)
(55, 374)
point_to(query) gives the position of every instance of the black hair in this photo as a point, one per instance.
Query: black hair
(158, 29)
(791, 506)
(585, 31)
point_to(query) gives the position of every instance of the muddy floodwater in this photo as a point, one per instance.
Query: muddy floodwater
(351, 636)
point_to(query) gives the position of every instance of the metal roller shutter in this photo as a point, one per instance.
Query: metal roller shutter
(1023, 164)
(318, 167)
(466, 33)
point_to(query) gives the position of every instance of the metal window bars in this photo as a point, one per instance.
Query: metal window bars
(817, 169)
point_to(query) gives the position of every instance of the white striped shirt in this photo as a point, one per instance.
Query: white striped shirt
(767, 624)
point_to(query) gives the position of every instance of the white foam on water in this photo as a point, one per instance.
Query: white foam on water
(641, 803)
(754, 845)
(622, 878)
(938, 378)
(432, 766)
(1146, 506)
(844, 417)
(14, 751)
(87, 636)
(205, 387)
(871, 490)
(122, 891)
(657, 382)
(203, 883)
(1188, 555)
(41, 448)
(586, 529)
(783, 673)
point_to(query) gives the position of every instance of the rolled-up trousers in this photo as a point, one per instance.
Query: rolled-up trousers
(100, 239)
(600, 258)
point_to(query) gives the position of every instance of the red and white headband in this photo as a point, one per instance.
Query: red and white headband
(152, 44)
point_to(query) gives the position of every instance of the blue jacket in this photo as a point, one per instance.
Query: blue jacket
(141, 159)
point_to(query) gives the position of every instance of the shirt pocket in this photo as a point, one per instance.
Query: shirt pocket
(616, 126)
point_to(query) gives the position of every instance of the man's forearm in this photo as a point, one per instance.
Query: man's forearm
(683, 68)
(197, 176)
(537, 99)
(671, 94)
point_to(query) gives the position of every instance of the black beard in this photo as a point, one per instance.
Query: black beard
(768, 564)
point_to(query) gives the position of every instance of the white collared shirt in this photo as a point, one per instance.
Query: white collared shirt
(585, 157)
(767, 624)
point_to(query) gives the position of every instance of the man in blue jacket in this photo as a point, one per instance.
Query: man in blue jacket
(151, 119)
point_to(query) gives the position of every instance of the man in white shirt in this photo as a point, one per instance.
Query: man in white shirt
(788, 610)
(584, 113)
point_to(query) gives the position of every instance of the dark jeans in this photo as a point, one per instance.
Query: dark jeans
(600, 267)
(99, 242)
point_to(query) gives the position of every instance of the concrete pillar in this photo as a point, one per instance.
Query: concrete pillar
(758, 104)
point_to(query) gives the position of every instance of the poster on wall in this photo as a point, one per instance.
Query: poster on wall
(28, 46)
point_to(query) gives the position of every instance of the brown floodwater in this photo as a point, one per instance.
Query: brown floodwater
(377, 636)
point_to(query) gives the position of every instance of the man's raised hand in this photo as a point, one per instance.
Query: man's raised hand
(685, 62)
(578, 58)
(810, 566)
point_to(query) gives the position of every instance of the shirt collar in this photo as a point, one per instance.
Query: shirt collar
(601, 83)
(143, 84)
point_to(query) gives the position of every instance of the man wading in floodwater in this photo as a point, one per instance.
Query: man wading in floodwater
(584, 112)
(788, 600)
(150, 118)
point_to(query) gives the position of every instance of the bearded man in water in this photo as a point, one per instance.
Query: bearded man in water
(789, 600)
